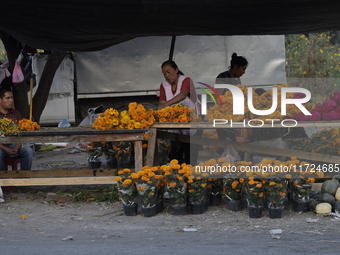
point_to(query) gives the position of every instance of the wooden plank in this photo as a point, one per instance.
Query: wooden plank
(57, 173)
(288, 153)
(78, 130)
(58, 181)
(253, 148)
(138, 155)
(150, 155)
(73, 138)
(170, 125)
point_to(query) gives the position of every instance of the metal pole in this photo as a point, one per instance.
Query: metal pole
(172, 47)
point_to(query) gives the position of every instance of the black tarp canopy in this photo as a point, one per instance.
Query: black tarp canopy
(88, 25)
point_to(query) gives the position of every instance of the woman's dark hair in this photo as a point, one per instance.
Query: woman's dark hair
(173, 65)
(237, 60)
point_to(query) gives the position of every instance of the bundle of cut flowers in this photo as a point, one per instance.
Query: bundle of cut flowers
(28, 125)
(176, 113)
(8, 126)
(329, 110)
(135, 117)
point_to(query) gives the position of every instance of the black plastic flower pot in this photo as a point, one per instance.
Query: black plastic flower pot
(130, 210)
(149, 211)
(234, 205)
(255, 211)
(95, 164)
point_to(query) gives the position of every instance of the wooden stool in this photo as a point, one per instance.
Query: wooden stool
(11, 163)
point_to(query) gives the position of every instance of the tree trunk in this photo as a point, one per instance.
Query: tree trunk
(45, 83)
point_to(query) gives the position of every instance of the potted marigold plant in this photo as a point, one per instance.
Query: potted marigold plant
(124, 154)
(300, 183)
(276, 190)
(233, 192)
(215, 189)
(111, 155)
(254, 192)
(301, 188)
(161, 188)
(147, 183)
(95, 150)
(175, 177)
(197, 188)
(127, 191)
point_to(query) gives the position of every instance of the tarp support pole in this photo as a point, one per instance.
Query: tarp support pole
(172, 47)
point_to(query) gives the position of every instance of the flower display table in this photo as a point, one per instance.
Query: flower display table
(160, 130)
(70, 177)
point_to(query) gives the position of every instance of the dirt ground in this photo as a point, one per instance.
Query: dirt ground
(40, 212)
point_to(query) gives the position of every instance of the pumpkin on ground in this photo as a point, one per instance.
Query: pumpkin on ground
(328, 198)
(313, 203)
(323, 208)
(336, 206)
(329, 187)
(337, 194)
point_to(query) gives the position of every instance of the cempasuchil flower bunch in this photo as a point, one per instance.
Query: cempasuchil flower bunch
(107, 120)
(177, 113)
(28, 125)
(8, 126)
(135, 117)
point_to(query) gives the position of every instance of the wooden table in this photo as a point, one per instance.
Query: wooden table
(70, 177)
(159, 130)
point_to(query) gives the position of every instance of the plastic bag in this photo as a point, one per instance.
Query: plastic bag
(92, 115)
(230, 154)
(64, 123)
(17, 76)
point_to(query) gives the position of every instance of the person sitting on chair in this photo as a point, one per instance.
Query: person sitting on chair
(14, 150)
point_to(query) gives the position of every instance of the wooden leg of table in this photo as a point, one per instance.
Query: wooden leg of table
(150, 155)
(138, 156)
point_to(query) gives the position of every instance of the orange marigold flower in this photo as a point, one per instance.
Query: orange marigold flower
(173, 184)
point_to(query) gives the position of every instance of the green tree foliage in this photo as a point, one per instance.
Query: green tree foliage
(313, 62)
(312, 56)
